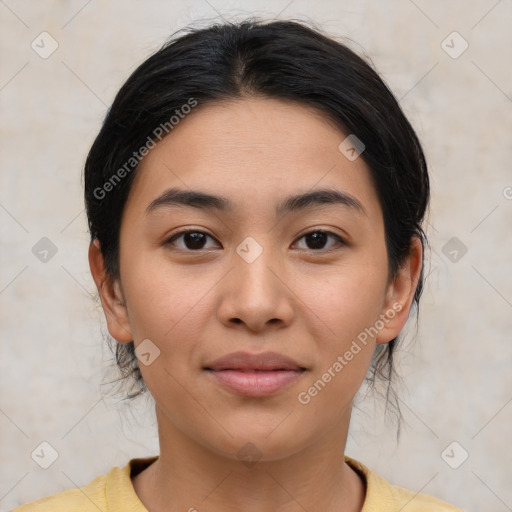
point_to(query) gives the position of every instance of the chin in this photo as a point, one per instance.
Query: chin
(251, 442)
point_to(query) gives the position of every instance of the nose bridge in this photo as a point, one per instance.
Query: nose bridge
(256, 265)
(254, 292)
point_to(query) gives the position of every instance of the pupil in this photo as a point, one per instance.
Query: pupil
(319, 239)
(194, 240)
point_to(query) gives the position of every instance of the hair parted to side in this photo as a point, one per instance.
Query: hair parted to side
(284, 60)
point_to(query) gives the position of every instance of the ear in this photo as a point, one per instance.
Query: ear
(111, 296)
(400, 294)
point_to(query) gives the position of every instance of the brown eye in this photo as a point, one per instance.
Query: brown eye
(192, 240)
(316, 240)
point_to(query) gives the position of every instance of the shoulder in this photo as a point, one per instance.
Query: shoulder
(411, 501)
(381, 495)
(88, 498)
(112, 492)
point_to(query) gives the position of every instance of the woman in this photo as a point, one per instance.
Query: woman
(255, 200)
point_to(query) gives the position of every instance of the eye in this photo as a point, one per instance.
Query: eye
(193, 240)
(318, 238)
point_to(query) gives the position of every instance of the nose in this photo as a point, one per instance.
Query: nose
(256, 294)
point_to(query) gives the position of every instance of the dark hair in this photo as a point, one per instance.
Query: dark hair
(282, 60)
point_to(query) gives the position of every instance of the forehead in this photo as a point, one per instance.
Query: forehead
(253, 151)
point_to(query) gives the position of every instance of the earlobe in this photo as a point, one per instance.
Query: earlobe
(400, 294)
(111, 296)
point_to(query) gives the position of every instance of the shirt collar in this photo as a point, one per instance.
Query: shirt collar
(378, 491)
(121, 495)
(119, 490)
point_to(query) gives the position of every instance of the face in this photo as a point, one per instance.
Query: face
(254, 272)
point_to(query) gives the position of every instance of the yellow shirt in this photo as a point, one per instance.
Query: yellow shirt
(114, 492)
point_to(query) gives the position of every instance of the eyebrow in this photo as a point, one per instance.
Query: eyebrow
(199, 199)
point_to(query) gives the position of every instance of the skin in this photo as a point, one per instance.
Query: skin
(305, 302)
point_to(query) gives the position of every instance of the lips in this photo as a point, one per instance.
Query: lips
(255, 375)
(243, 361)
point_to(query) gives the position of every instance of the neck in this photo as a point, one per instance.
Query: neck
(190, 476)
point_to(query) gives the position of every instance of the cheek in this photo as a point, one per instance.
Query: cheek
(169, 302)
(345, 300)
(168, 309)
(343, 310)
(162, 298)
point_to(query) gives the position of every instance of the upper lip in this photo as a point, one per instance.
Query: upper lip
(246, 361)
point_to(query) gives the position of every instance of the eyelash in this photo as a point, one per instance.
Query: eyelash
(341, 241)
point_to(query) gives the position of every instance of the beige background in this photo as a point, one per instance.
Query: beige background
(457, 378)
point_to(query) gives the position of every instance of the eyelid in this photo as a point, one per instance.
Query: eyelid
(341, 239)
(177, 234)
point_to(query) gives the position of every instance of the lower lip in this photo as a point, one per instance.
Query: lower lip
(256, 383)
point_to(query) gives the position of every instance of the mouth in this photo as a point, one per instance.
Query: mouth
(255, 375)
